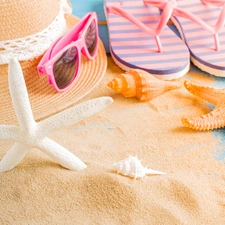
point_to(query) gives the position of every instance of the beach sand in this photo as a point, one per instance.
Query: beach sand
(39, 191)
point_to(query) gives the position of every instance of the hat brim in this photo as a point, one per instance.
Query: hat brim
(45, 101)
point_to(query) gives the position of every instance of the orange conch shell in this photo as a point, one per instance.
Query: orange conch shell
(141, 84)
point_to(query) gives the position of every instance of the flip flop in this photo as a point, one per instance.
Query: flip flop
(140, 39)
(201, 25)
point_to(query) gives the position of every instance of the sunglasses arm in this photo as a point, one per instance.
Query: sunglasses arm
(45, 58)
(72, 35)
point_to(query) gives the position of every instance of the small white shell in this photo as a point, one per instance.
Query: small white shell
(132, 167)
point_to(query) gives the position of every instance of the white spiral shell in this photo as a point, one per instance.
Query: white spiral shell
(133, 168)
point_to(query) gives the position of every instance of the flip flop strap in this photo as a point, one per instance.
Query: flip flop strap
(213, 2)
(162, 4)
(221, 19)
(115, 9)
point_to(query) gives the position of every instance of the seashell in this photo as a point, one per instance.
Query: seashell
(141, 84)
(133, 168)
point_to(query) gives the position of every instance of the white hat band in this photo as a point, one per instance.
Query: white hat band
(32, 46)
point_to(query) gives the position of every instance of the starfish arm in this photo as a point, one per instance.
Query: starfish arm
(9, 132)
(210, 121)
(60, 154)
(210, 94)
(73, 115)
(19, 95)
(14, 155)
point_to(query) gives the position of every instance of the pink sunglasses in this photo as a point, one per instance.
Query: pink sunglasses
(62, 61)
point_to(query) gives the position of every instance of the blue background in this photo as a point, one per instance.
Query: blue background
(81, 7)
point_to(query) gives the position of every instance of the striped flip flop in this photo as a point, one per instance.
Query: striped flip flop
(200, 41)
(201, 25)
(140, 38)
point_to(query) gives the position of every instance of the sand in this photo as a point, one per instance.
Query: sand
(39, 191)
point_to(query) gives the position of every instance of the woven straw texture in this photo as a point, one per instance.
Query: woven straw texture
(45, 101)
(25, 17)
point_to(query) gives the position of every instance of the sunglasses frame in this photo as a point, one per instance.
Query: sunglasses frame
(74, 38)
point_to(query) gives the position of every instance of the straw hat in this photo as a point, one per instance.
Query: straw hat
(27, 28)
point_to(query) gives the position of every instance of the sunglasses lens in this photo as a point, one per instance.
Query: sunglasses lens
(66, 67)
(91, 38)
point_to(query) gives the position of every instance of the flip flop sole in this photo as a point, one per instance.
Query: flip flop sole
(131, 47)
(199, 41)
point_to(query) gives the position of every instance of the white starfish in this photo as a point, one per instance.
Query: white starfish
(30, 134)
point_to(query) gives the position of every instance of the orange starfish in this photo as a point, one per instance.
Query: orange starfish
(216, 118)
